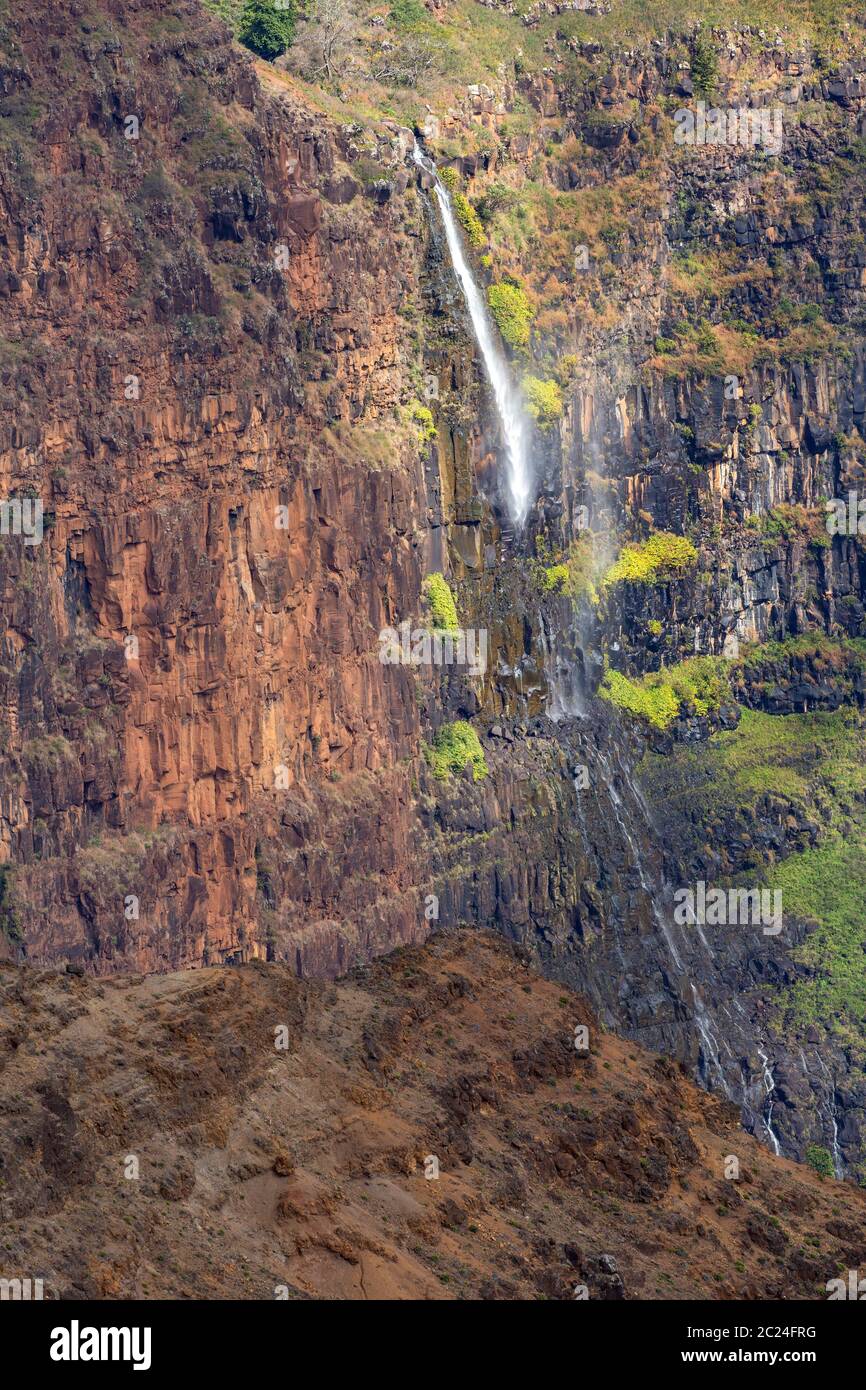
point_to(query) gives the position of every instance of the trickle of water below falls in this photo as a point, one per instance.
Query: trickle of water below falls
(509, 406)
(566, 699)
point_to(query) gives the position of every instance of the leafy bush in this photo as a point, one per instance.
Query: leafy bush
(821, 1160)
(265, 30)
(543, 400)
(437, 592)
(422, 416)
(662, 556)
(512, 311)
(469, 220)
(657, 704)
(554, 578)
(408, 15)
(497, 197)
(454, 746)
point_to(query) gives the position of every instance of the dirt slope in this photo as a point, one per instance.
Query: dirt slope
(304, 1166)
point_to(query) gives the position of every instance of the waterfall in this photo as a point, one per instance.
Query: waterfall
(509, 407)
(769, 1088)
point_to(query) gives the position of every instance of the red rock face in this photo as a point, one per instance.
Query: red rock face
(206, 361)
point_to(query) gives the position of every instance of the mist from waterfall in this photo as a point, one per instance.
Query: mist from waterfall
(509, 406)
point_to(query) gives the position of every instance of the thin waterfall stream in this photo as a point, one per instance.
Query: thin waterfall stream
(509, 406)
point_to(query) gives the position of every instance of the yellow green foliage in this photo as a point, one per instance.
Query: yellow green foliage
(454, 746)
(469, 220)
(463, 210)
(512, 311)
(423, 418)
(437, 592)
(554, 578)
(698, 684)
(662, 556)
(543, 400)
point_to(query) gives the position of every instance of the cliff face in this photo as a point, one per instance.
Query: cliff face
(194, 338)
(225, 299)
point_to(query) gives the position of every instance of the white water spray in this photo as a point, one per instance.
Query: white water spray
(509, 407)
(769, 1088)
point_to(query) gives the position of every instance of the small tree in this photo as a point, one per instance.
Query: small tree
(267, 27)
(704, 65)
(819, 1159)
(330, 31)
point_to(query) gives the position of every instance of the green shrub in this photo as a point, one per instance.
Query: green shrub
(700, 683)
(821, 1160)
(657, 704)
(554, 578)
(512, 311)
(661, 557)
(573, 573)
(422, 416)
(704, 66)
(454, 746)
(469, 220)
(409, 15)
(265, 30)
(437, 592)
(543, 400)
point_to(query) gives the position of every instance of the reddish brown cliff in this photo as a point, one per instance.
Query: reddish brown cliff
(203, 361)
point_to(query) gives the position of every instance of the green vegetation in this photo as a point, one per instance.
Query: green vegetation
(454, 746)
(469, 220)
(699, 684)
(573, 575)
(663, 556)
(10, 918)
(266, 30)
(839, 661)
(813, 762)
(543, 401)
(409, 15)
(657, 704)
(422, 416)
(48, 751)
(554, 578)
(824, 885)
(512, 311)
(437, 592)
(704, 65)
(787, 523)
(821, 1160)
(463, 210)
